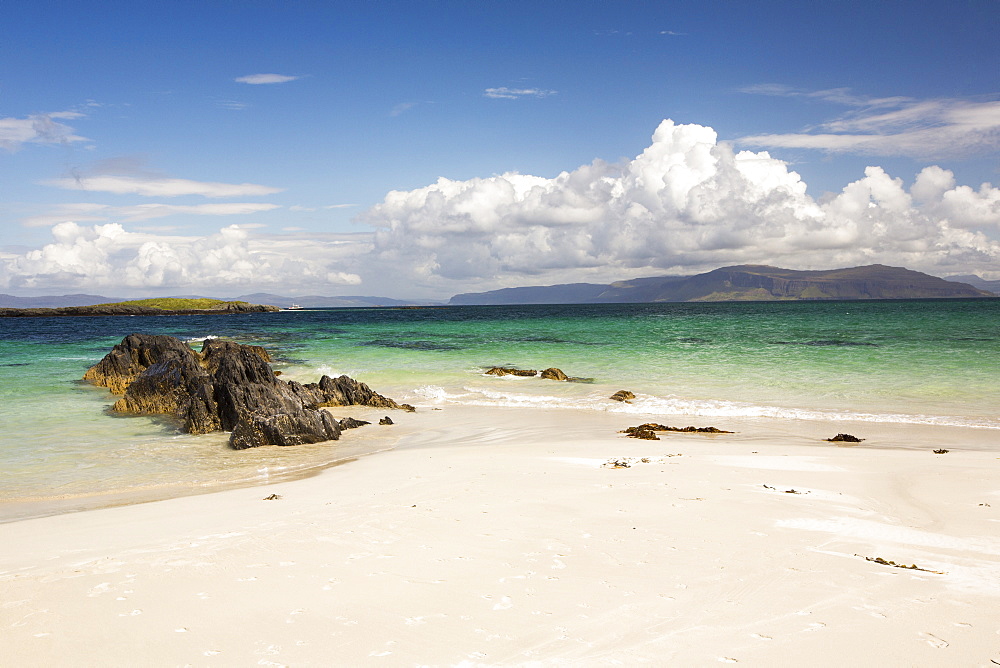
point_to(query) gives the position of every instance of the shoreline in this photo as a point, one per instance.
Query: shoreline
(493, 536)
(349, 448)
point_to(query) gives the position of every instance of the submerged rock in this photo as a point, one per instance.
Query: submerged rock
(352, 423)
(623, 395)
(510, 371)
(227, 386)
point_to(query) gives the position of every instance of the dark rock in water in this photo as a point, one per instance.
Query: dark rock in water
(131, 357)
(303, 426)
(845, 438)
(351, 423)
(386, 420)
(623, 395)
(554, 374)
(645, 430)
(227, 386)
(508, 371)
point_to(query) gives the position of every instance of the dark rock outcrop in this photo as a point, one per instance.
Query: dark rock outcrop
(386, 420)
(845, 438)
(623, 395)
(553, 373)
(227, 386)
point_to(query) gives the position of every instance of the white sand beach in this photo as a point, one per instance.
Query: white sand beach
(499, 537)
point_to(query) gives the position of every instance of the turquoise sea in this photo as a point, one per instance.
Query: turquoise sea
(912, 362)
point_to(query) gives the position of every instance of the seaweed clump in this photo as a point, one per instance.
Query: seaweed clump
(648, 431)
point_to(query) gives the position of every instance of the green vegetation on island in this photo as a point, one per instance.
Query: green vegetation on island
(155, 306)
(177, 303)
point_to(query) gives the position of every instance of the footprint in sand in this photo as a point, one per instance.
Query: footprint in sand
(934, 641)
(130, 614)
(100, 589)
(504, 604)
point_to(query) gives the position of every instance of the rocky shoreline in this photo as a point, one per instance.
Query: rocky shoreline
(230, 387)
(124, 308)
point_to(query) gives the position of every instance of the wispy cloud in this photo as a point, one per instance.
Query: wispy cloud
(299, 207)
(236, 105)
(898, 126)
(92, 212)
(672, 33)
(160, 187)
(38, 129)
(504, 93)
(257, 79)
(402, 107)
(844, 96)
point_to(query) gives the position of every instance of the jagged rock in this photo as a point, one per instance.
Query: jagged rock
(304, 426)
(131, 357)
(509, 371)
(228, 386)
(351, 423)
(386, 420)
(623, 395)
(845, 438)
(554, 374)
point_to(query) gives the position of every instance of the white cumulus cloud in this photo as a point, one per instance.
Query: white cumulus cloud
(110, 257)
(687, 203)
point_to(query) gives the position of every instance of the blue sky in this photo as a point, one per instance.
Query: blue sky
(229, 147)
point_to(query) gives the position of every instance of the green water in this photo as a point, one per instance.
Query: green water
(920, 362)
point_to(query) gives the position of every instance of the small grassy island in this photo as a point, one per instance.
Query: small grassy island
(156, 306)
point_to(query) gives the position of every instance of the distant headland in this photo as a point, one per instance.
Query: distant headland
(159, 306)
(742, 283)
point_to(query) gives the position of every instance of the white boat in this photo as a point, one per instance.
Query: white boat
(294, 307)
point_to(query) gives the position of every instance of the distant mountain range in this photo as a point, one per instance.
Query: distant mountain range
(742, 283)
(318, 301)
(976, 282)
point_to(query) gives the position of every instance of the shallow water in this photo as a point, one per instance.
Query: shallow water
(916, 362)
